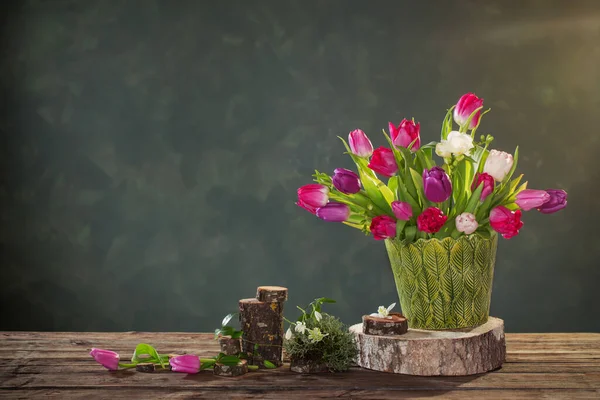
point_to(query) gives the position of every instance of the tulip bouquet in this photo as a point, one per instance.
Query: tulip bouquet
(470, 191)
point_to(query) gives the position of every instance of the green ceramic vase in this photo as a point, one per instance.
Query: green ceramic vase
(444, 284)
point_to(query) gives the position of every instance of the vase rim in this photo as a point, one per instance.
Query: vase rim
(472, 236)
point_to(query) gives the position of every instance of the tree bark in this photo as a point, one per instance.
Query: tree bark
(396, 325)
(229, 346)
(304, 366)
(434, 353)
(262, 324)
(272, 294)
(231, 370)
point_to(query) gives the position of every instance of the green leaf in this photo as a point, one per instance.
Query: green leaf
(227, 318)
(418, 184)
(393, 184)
(326, 300)
(237, 334)
(207, 365)
(395, 151)
(447, 124)
(514, 166)
(474, 200)
(465, 126)
(399, 228)
(229, 360)
(410, 233)
(146, 353)
(269, 364)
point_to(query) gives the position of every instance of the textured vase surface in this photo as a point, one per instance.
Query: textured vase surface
(444, 284)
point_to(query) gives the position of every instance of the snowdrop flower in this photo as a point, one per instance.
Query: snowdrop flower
(315, 335)
(457, 143)
(383, 312)
(288, 334)
(318, 315)
(300, 327)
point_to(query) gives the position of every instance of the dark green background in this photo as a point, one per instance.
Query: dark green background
(151, 151)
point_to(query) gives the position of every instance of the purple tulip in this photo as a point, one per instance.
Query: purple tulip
(405, 134)
(334, 212)
(465, 107)
(188, 364)
(346, 181)
(402, 210)
(558, 201)
(360, 144)
(531, 198)
(312, 196)
(436, 185)
(108, 359)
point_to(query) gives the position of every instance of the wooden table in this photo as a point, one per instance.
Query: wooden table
(57, 365)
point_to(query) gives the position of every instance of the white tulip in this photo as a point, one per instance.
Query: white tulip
(498, 164)
(466, 223)
(456, 143)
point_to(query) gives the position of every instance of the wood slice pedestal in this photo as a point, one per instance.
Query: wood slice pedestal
(434, 353)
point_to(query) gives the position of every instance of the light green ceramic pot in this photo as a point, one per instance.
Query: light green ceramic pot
(444, 284)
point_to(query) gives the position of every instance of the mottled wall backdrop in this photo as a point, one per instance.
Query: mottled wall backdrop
(151, 151)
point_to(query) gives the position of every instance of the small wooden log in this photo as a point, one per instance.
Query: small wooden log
(303, 366)
(229, 346)
(396, 325)
(272, 294)
(231, 370)
(145, 367)
(434, 353)
(262, 324)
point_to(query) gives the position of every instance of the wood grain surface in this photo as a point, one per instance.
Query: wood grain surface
(57, 365)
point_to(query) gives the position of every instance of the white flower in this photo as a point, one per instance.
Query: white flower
(498, 164)
(300, 327)
(456, 143)
(466, 223)
(318, 315)
(383, 312)
(288, 334)
(315, 335)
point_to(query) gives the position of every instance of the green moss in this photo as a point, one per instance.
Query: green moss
(337, 350)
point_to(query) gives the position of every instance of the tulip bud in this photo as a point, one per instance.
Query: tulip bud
(506, 222)
(436, 184)
(383, 162)
(465, 107)
(431, 220)
(405, 134)
(334, 212)
(557, 201)
(466, 223)
(383, 227)
(108, 359)
(346, 181)
(531, 198)
(188, 364)
(313, 196)
(402, 210)
(498, 164)
(360, 144)
(488, 184)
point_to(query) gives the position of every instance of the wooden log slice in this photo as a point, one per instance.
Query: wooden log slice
(271, 294)
(303, 366)
(434, 353)
(145, 367)
(229, 346)
(231, 370)
(396, 325)
(262, 324)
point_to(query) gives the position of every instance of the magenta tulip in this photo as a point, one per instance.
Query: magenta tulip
(530, 198)
(383, 227)
(360, 144)
(188, 364)
(402, 210)
(465, 107)
(334, 212)
(436, 184)
(557, 201)
(346, 181)
(108, 359)
(405, 134)
(313, 196)
(383, 162)
(506, 222)
(488, 184)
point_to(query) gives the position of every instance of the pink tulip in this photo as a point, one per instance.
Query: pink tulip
(488, 184)
(334, 212)
(313, 196)
(405, 134)
(188, 364)
(506, 222)
(531, 198)
(383, 162)
(557, 201)
(108, 359)
(402, 210)
(360, 144)
(465, 107)
(383, 227)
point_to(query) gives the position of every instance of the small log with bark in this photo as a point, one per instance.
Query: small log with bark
(231, 370)
(396, 324)
(272, 294)
(230, 346)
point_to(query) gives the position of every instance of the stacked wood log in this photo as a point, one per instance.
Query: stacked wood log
(230, 346)
(231, 370)
(395, 324)
(261, 320)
